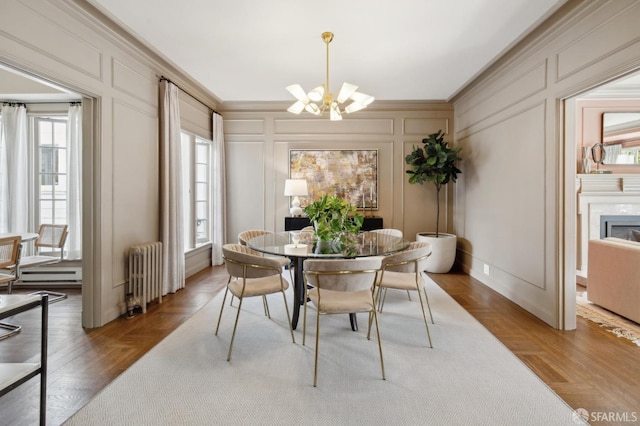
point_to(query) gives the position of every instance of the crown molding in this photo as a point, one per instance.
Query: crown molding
(281, 106)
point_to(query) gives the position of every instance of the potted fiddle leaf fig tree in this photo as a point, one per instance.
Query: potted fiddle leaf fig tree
(435, 162)
(335, 223)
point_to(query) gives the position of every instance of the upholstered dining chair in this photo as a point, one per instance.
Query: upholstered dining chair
(403, 271)
(393, 232)
(252, 275)
(9, 259)
(341, 286)
(388, 231)
(245, 236)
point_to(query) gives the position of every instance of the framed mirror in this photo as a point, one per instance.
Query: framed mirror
(621, 137)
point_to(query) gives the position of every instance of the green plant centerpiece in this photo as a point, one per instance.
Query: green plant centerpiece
(335, 222)
(434, 162)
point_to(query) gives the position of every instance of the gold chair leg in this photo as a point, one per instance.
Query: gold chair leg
(233, 335)
(266, 307)
(424, 315)
(286, 307)
(409, 295)
(375, 316)
(315, 367)
(222, 309)
(428, 304)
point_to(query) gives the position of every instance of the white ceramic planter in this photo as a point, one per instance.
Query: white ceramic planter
(443, 251)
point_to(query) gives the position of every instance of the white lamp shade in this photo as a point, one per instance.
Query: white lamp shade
(298, 92)
(316, 94)
(346, 91)
(295, 187)
(353, 107)
(361, 98)
(296, 108)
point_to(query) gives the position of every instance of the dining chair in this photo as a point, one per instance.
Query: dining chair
(388, 231)
(51, 237)
(245, 236)
(252, 275)
(395, 233)
(10, 248)
(403, 271)
(341, 286)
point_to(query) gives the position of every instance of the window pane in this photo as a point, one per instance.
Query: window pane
(60, 134)
(60, 212)
(202, 173)
(45, 133)
(46, 211)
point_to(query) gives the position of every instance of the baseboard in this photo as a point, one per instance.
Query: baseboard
(51, 274)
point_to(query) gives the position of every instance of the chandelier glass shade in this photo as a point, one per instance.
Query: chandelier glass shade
(320, 99)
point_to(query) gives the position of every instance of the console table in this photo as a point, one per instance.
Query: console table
(299, 222)
(13, 375)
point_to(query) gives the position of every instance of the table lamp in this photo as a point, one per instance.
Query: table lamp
(294, 188)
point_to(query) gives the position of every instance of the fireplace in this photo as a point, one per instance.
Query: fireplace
(619, 226)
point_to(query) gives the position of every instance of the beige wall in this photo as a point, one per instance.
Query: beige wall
(258, 141)
(511, 211)
(60, 42)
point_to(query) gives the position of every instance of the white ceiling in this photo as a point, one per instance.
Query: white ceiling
(250, 50)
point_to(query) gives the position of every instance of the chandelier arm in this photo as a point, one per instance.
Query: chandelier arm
(327, 92)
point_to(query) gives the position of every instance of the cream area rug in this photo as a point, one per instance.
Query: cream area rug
(613, 323)
(468, 378)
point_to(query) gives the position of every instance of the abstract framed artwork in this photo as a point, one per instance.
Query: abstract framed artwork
(347, 173)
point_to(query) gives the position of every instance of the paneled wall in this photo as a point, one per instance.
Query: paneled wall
(515, 208)
(257, 149)
(77, 48)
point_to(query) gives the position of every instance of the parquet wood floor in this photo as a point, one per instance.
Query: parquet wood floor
(589, 367)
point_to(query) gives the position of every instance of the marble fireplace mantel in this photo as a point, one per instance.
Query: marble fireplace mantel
(598, 195)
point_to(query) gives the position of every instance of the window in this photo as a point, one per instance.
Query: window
(50, 142)
(196, 183)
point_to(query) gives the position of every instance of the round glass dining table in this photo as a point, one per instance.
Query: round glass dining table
(301, 245)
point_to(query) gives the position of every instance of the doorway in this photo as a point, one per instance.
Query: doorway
(583, 122)
(47, 104)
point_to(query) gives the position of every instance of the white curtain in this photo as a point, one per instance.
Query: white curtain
(219, 197)
(171, 224)
(74, 182)
(14, 170)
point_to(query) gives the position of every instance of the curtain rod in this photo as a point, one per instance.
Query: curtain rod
(181, 89)
(41, 102)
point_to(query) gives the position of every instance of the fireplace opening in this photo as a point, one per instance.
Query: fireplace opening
(620, 226)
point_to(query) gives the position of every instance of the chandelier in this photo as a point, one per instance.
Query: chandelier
(321, 99)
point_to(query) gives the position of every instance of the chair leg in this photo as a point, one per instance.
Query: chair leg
(265, 305)
(224, 298)
(424, 315)
(375, 317)
(13, 329)
(286, 307)
(409, 295)
(54, 296)
(304, 320)
(315, 367)
(233, 335)
(428, 304)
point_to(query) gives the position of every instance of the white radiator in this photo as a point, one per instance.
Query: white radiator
(145, 272)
